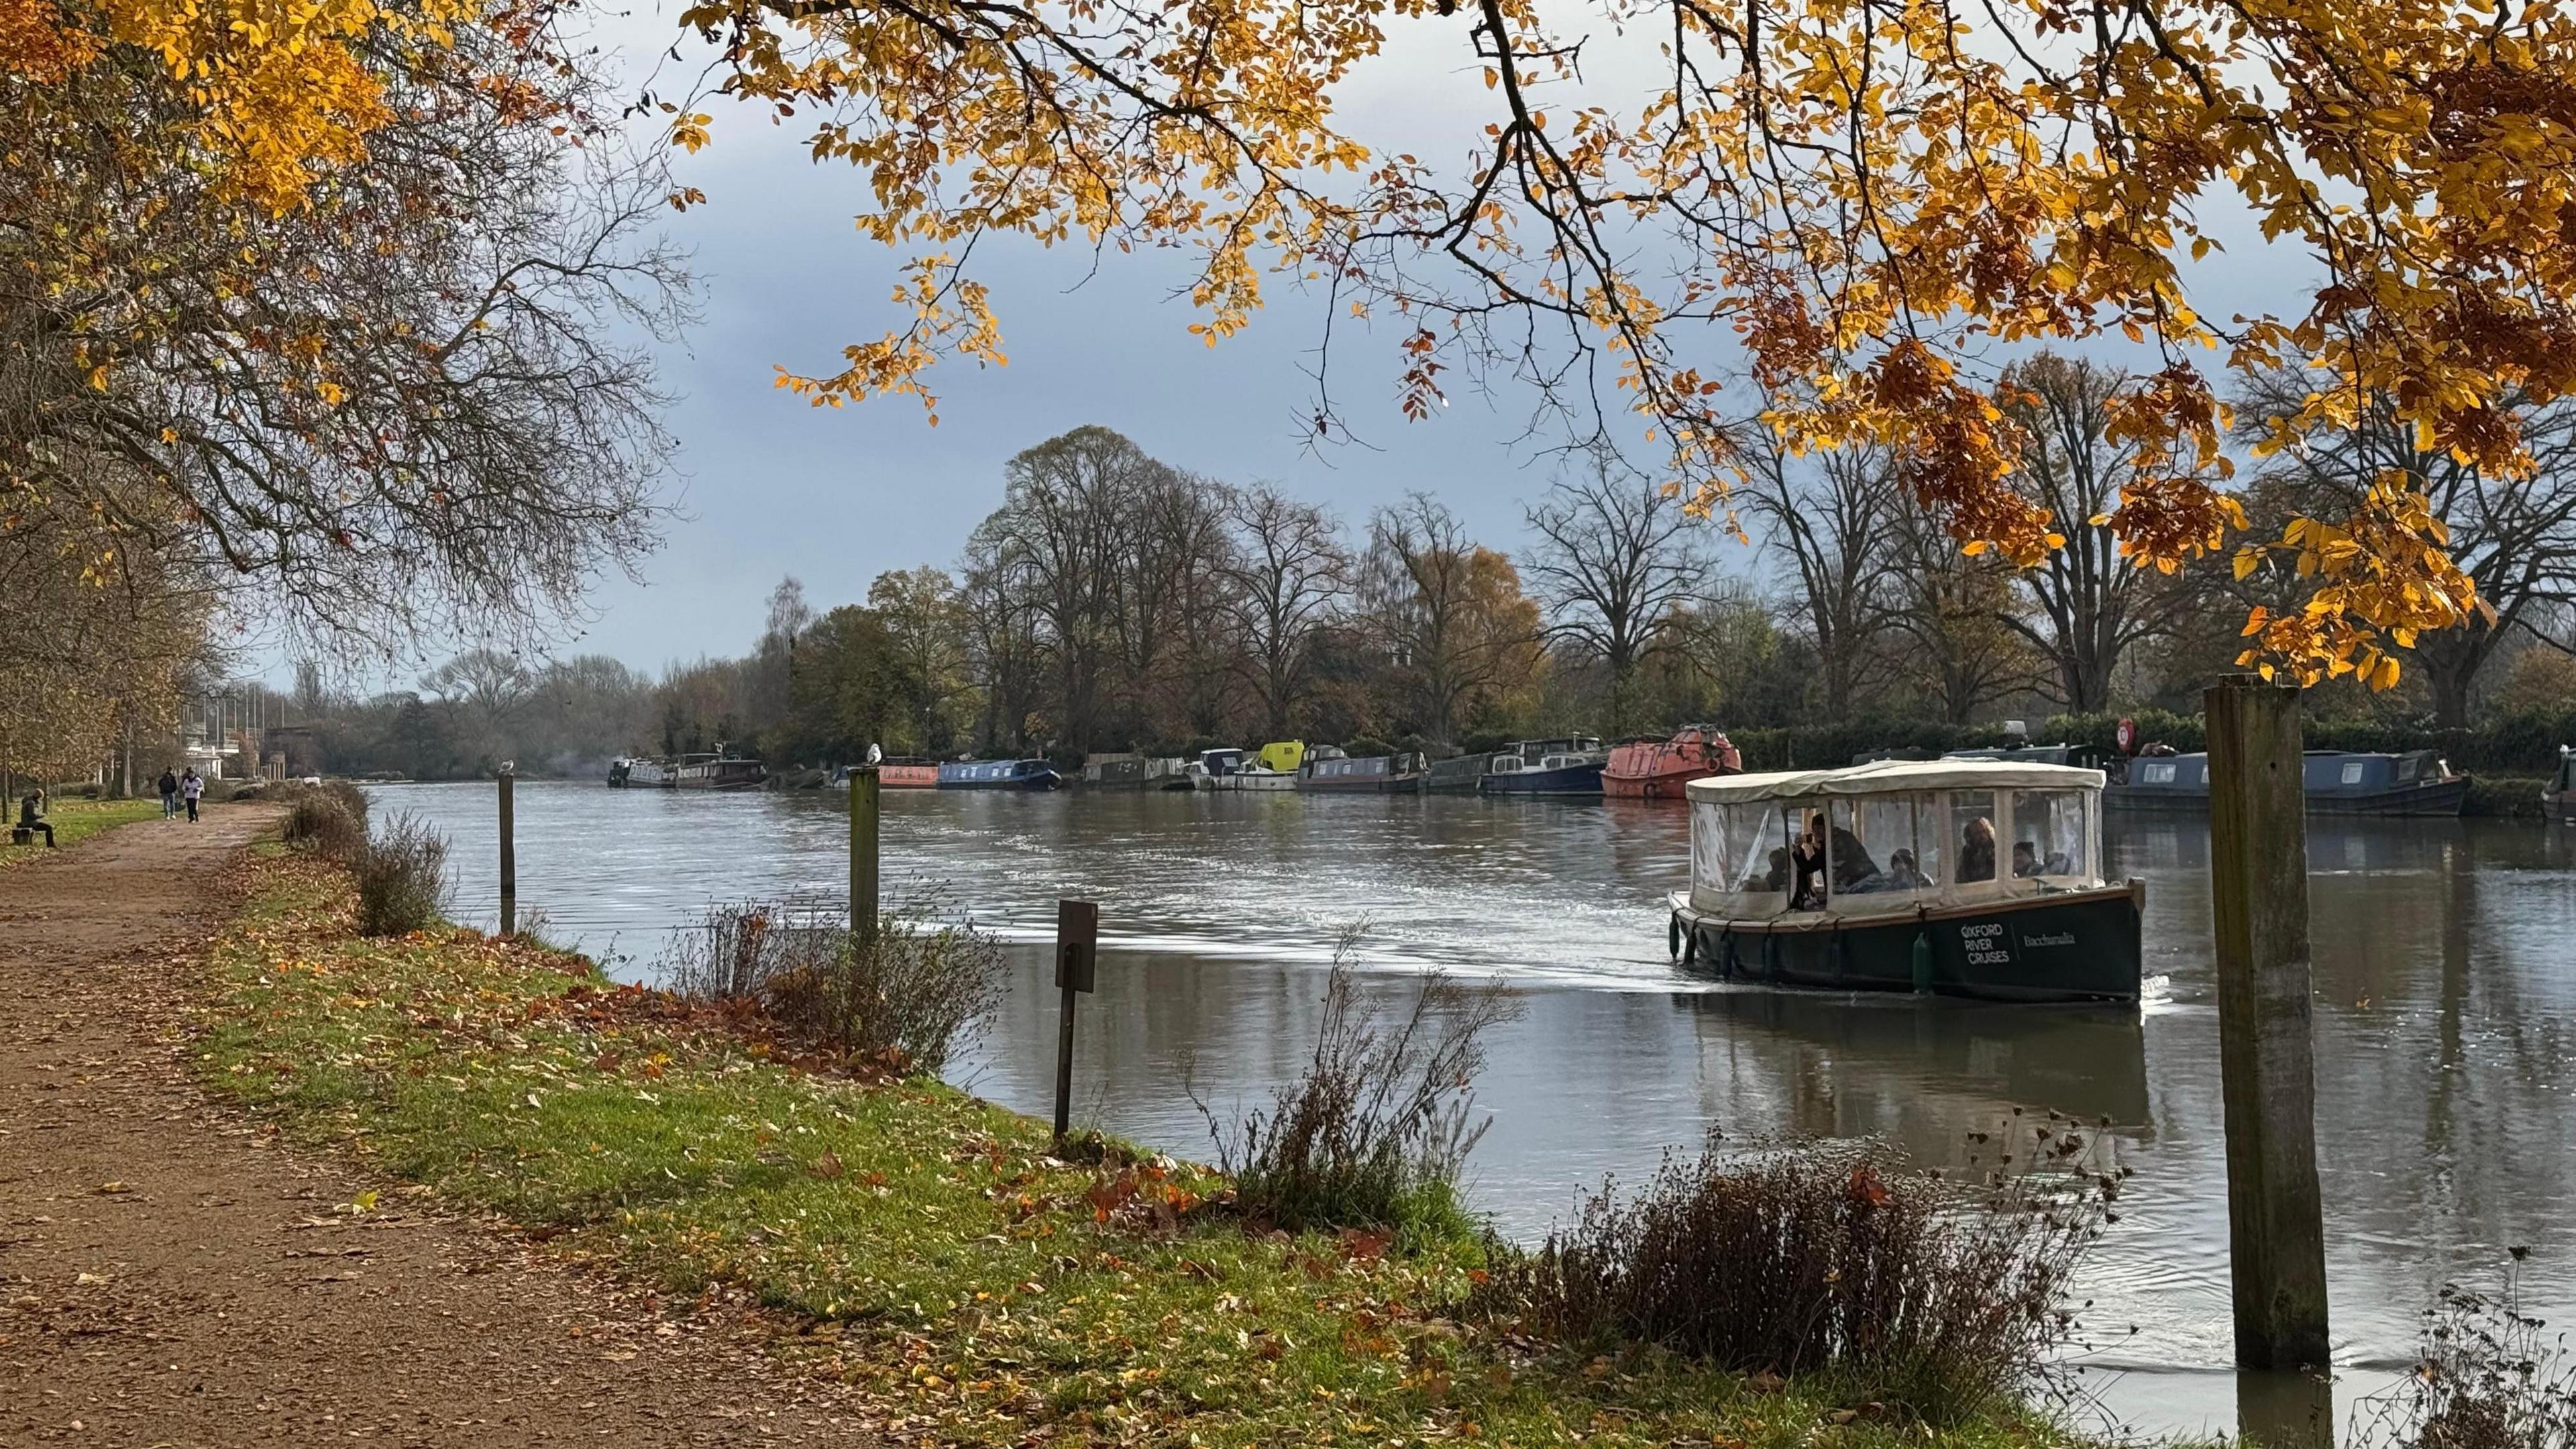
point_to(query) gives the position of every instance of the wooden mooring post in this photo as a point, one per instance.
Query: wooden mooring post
(863, 853)
(1077, 955)
(509, 856)
(2258, 888)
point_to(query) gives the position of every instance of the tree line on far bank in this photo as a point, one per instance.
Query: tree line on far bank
(1115, 602)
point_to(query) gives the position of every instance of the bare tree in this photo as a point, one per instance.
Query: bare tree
(1829, 518)
(2515, 536)
(1615, 554)
(1290, 573)
(1003, 653)
(1449, 612)
(1955, 610)
(2092, 607)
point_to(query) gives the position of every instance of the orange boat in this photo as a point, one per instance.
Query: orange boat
(1658, 769)
(898, 775)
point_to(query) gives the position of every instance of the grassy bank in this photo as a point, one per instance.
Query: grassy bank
(911, 1237)
(75, 821)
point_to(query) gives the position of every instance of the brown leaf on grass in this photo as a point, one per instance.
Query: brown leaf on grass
(1365, 1245)
(825, 1167)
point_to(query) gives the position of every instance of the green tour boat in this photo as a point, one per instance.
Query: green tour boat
(1974, 878)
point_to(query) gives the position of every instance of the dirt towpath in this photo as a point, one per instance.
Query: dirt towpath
(170, 1276)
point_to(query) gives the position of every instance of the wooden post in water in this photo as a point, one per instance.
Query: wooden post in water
(509, 858)
(1077, 950)
(2258, 889)
(863, 853)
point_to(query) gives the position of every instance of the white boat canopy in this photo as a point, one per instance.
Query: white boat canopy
(1893, 837)
(1883, 777)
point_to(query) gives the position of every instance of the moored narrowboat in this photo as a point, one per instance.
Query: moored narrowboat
(1648, 769)
(998, 775)
(2558, 797)
(639, 772)
(1365, 775)
(2339, 782)
(717, 772)
(1457, 775)
(1967, 878)
(1276, 767)
(1569, 766)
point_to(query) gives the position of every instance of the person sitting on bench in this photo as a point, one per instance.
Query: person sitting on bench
(31, 818)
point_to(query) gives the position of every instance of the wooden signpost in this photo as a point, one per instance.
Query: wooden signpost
(1077, 951)
(2258, 893)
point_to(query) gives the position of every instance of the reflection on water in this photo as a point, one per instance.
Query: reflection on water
(2445, 1006)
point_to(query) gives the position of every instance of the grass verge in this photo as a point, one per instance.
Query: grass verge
(911, 1237)
(75, 821)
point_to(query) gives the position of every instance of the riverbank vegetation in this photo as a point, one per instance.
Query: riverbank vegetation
(928, 1245)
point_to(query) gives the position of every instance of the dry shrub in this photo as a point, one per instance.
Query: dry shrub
(1376, 1130)
(401, 876)
(1824, 1258)
(2488, 1378)
(910, 995)
(323, 826)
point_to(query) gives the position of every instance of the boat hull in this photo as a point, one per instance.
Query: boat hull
(1364, 785)
(997, 775)
(1662, 785)
(1248, 780)
(2070, 947)
(2441, 798)
(720, 775)
(1572, 780)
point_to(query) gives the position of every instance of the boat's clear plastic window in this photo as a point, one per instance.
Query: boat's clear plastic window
(1972, 835)
(2049, 834)
(1708, 844)
(1757, 847)
(1879, 831)
(2155, 772)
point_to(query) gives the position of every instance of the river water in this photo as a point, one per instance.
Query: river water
(2445, 1017)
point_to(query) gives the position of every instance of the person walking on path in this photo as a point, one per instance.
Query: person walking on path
(169, 793)
(192, 785)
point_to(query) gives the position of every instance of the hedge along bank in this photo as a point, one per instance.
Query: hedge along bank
(911, 1237)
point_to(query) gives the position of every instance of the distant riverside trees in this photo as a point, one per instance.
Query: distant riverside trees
(1113, 602)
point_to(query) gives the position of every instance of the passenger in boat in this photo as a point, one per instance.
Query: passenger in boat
(2025, 859)
(1852, 863)
(1902, 874)
(1809, 864)
(1778, 879)
(1977, 851)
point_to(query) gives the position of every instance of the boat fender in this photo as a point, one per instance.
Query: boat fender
(1771, 958)
(1673, 939)
(1923, 960)
(1727, 967)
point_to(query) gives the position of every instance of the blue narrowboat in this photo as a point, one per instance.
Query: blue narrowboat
(998, 775)
(1562, 767)
(2339, 782)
